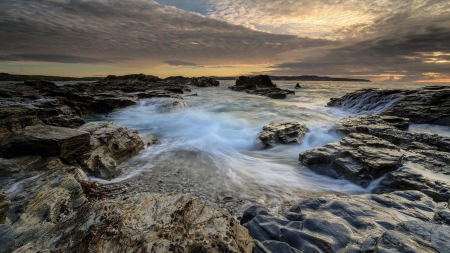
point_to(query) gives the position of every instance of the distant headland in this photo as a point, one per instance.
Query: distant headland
(14, 77)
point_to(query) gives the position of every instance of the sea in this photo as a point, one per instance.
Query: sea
(208, 145)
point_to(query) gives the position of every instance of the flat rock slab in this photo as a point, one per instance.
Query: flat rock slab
(355, 223)
(287, 132)
(65, 143)
(146, 223)
(260, 85)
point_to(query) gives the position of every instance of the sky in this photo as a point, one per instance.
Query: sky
(385, 40)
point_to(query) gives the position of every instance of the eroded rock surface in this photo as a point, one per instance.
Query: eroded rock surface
(260, 85)
(67, 144)
(429, 105)
(146, 222)
(358, 223)
(109, 145)
(287, 132)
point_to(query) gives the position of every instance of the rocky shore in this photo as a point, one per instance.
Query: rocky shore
(48, 204)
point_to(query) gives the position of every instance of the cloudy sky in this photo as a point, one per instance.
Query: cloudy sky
(378, 40)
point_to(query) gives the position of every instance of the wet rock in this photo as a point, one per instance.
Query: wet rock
(146, 222)
(297, 86)
(5, 203)
(355, 222)
(65, 143)
(287, 132)
(149, 140)
(204, 82)
(429, 105)
(260, 85)
(359, 157)
(14, 118)
(415, 236)
(110, 145)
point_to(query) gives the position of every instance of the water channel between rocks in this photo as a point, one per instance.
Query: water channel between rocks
(208, 146)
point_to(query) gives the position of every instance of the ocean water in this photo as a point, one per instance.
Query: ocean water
(210, 140)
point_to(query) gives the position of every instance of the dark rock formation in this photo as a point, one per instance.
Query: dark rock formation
(65, 143)
(260, 85)
(424, 158)
(357, 223)
(297, 86)
(109, 145)
(5, 203)
(426, 105)
(287, 132)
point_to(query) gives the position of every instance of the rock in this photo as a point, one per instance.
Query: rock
(110, 145)
(297, 86)
(359, 157)
(260, 85)
(5, 203)
(288, 132)
(149, 140)
(429, 105)
(65, 143)
(415, 236)
(353, 222)
(204, 82)
(146, 222)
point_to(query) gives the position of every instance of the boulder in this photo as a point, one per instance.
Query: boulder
(353, 223)
(287, 132)
(146, 222)
(260, 85)
(204, 82)
(65, 143)
(110, 145)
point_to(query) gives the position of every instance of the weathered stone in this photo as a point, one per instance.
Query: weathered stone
(110, 145)
(425, 105)
(5, 203)
(288, 132)
(204, 82)
(65, 143)
(354, 223)
(146, 222)
(359, 157)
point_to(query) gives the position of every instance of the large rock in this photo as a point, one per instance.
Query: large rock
(359, 157)
(204, 82)
(146, 223)
(260, 85)
(429, 105)
(357, 223)
(287, 132)
(65, 143)
(110, 145)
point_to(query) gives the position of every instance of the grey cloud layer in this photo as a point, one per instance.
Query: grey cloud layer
(138, 30)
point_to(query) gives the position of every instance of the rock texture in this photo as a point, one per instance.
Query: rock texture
(260, 85)
(5, 203)
(67, 144)
(146, 223)
(430, 104)
(109, 145)
(412, 161)
(396, 222)
(287, 132)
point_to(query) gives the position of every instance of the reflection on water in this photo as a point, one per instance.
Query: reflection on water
(210, 139)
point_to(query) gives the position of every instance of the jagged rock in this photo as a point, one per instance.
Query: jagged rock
(359, 157)
(297, 86)
(65, 143)
(146, 222)
(110, 145)
(354, 223)
(5, 203)
(260, 85)
(287, 132)
(425, 105)
(140, 77)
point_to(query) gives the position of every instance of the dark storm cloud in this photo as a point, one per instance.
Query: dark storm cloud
(138, 30)
(180, 63)
(55, 58)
